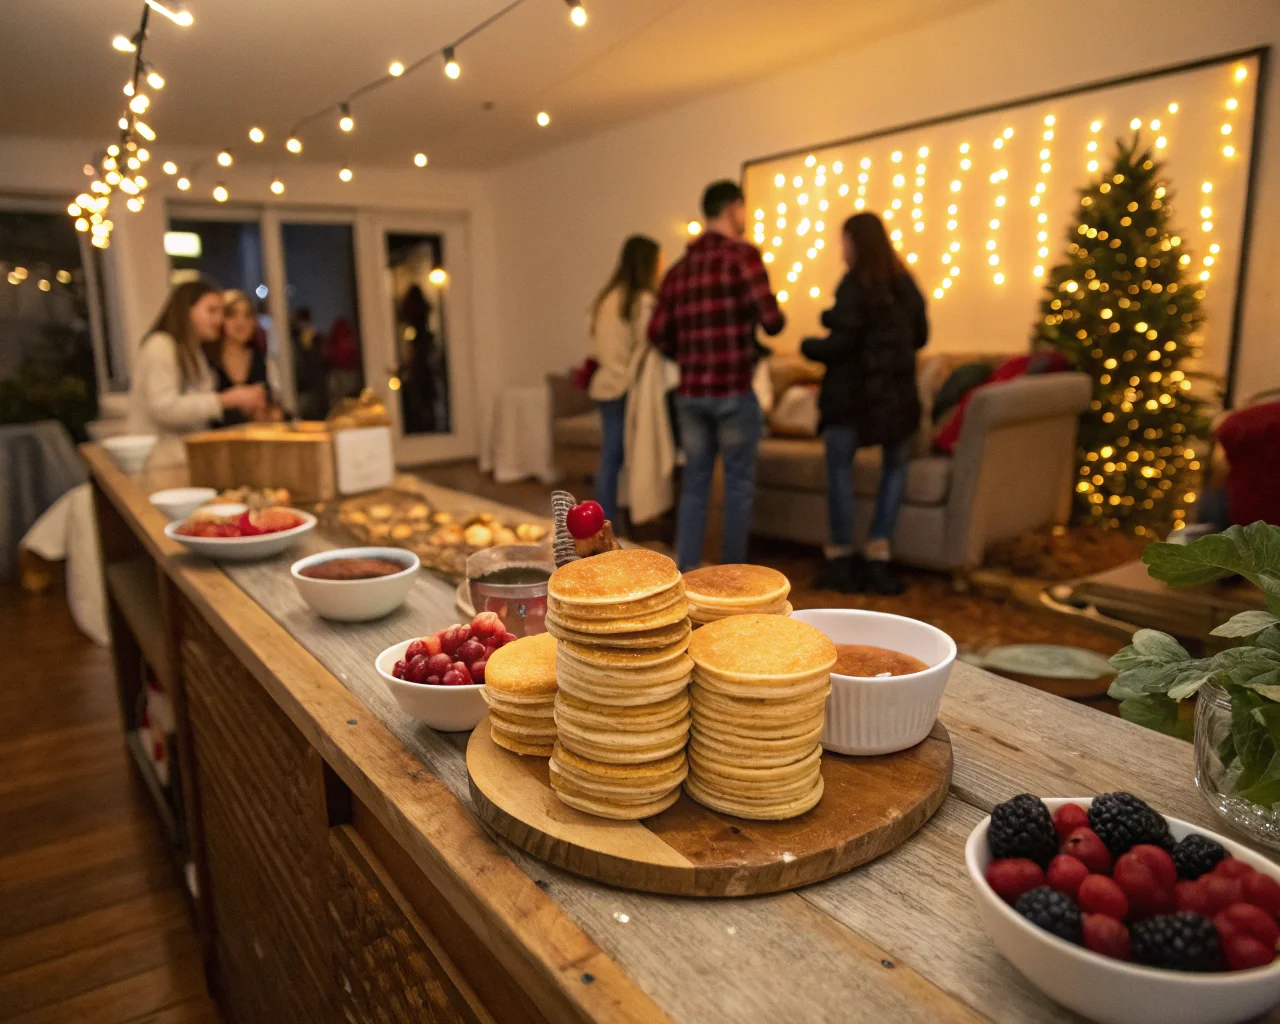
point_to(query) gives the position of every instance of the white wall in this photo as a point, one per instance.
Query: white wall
(563, 215)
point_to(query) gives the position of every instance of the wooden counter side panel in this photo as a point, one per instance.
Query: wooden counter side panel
(262, 801)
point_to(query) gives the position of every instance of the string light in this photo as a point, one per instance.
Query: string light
(183, 184)
(543, 118)
(346, 122)
(577, 13)
(124, 44)
(437, 276)
(396, 69)
(293, 144)
(694, 227)
(224, 159)
(277, 186)
(220, 193)
(451, 67)
(257, 135)
(345, 174)
(181, 16)
(420, 159)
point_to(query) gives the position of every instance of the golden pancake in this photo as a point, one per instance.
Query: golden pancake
(524, 666)
(755, 714)
(820, 683)
(664, 636)
(619, 811)
(622, 695)
(711, 764)
(701, 614)
(755, 810)
(613, 577)
(735, 789)
(540, 708)
(519, 746)
(624, 748)
(718, 752)
(620, 610)
(668, 616)
(677, 668)
(768, 649)
(734, 586)
(640, 718)
(536, 734)
(539, 721)
(615, 773)
(716, 726)
(630, 793)
(612, 658)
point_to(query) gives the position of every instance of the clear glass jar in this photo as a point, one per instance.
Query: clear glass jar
(1217, 782)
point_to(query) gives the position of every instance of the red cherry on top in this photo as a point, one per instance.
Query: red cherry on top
(585, 519)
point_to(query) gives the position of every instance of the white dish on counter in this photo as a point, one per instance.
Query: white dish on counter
(867, 715)
(181, 502)
(1115, 991)
(356, 600)
(444, 708)
(240, 549)
(130, 451)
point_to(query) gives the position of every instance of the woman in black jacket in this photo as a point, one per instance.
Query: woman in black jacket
(868, 397)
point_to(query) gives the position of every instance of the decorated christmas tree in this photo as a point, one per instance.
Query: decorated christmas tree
(1125, 309)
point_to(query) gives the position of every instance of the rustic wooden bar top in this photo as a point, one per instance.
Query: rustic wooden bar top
(895, 940)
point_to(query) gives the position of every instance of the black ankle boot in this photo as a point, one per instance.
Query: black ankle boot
(883, 578)
(843, 574)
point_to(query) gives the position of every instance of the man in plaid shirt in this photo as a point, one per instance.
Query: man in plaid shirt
(706, 316)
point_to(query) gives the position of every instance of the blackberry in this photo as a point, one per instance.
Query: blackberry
(1023, 827)
(1054, 911)
(1196, 856)
(1181, 942)
(1123, 821)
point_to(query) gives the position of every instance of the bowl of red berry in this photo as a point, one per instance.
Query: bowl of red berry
(1122, 914)
(237, 533)
(437, 678)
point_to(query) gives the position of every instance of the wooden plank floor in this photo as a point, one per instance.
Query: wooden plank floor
(93, 926)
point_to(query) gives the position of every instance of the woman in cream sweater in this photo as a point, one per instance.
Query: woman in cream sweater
(173, 391)
(619, 336)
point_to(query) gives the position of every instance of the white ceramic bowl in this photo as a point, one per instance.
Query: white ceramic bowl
(180, 502)
(1113, 991)
(356, 600)
(240, 549)
(878, 716)
(130, 451)
(444, 708)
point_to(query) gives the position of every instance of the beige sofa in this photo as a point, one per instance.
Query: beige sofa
(1012, 469)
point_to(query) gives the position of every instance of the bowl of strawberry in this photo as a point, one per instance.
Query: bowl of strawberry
(1122, 914)
(236, 533)
(437, 678)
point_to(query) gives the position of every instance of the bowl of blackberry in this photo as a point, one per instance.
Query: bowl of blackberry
(1122, 914)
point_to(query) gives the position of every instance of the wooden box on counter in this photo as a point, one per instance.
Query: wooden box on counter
(298, 457)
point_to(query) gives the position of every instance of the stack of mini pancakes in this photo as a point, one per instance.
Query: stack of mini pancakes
(718, 591)
(520, 688)
(759, 693)
(622, 708)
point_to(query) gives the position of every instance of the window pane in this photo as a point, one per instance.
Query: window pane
(415, 267)
(324, 320)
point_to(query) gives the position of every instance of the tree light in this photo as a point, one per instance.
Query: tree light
(155, 80)
(277, 186)
(396, 69)
(345, 174)
(256, 134)
(543, 119)
(144, 130)
(293, 144)
(346, 122)
(123, 44)
(220, 193)
(451, 66)
(577, 14)
(140, 102)
(224, 159)
(420, 159)
(183, 184)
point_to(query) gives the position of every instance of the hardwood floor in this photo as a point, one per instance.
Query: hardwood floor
(93, 925)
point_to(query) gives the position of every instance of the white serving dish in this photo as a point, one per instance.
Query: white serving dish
(130, 451)
(240, 549)
(1113, 991)
(356, 600)
(880, 715)
(180, 502)
(444, 708)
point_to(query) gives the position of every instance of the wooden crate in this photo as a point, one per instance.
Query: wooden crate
(300, 459)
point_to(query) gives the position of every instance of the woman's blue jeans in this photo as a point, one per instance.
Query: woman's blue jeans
(613, 423)
(841, 445)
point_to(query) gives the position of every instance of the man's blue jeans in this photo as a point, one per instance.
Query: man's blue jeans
(613, 425)
(841, 444)
(709, 426)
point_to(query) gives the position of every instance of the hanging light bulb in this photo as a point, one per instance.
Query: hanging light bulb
(224, 159)
(438, 276)
(134, 204)
(155, 79)
(451, 66)
(345, 174)
(577, 13)
(112, 177)
(293, 144)
(277, 186)
(124, 44)
(420, 159)
(169, 167)
(220, 193)
(544, 118)
(139, 103)
(113, 150)
(179, 16)
(74, 209)
(140, 181)
(128, 89)
(144, 130)
(256, 134)
(123, 123)
(346, 122)
(134, 163)
(396, 69)
(183, 184)
(144, 155)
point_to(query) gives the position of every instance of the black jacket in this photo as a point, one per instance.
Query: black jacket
(870, 355)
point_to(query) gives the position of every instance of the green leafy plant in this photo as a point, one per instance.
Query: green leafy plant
(1156, 672)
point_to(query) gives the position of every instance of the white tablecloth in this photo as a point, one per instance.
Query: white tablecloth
(520, 441)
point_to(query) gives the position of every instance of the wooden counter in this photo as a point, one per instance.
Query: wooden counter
(344, 876)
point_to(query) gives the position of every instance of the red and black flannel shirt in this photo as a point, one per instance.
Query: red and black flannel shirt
(708, 308)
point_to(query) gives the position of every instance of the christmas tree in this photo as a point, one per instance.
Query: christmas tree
(1125, 309)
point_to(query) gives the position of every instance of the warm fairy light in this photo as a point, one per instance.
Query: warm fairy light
(144, 129)
(141, 101)
(814, 292)
(543, 119)
(1241, 74)
(1228, 151)
(1096, 126)
(124, 44)
(810, 160)
(1232, 103)
(896, 156)
(694, 227)
(783, 296)
(396, 69)
(779, 180)
(183, 184)
(220, 193)
(451, 66)
(346, 122)
(1225, 129)
(998, 278)
(293, 144)
(1136, 123)
(256, 134)
(420, 159)
(1173, 108)
(277, 186)
(577, 13)
(345, 174)
(224, 159)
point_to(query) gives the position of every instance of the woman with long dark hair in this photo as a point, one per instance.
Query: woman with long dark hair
(241, 355)
(173, 390)
(868, 397)
(619, 335)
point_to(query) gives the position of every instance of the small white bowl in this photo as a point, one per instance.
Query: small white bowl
(868, 716)
(240, 549)
(444, 708)
(1114, 991)
(130, 451)
(180, 502)
(356, 600)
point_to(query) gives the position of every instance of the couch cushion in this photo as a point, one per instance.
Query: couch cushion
(580, 431)
(800, 464)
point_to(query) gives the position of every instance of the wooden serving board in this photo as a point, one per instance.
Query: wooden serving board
(869, 806)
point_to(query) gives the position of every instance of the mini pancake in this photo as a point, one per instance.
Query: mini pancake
(759, 708)
(586, 767)
(628, 748)
(540, 708)
(667, 616)
(701, 614)
(736, 586)
(584, 715)
(717, 751)
(751, 731)
(735, 789)
(713, 765)
(613, 577)
(536, 732)
(664, 636)
(608, 658)
(679, 667)
(764, 649)
(538, 721)
(621, 610)
(756, 811)
(561, 782)
(622, 695)
(820, 683)
(519, 746)
(618, 811)
(524, 666)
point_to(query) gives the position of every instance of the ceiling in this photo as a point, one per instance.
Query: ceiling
(250, 62)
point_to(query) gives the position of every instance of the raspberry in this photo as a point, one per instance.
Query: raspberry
(1232, 867)
(1243, 952)
(1262, 891)
(1181, 942)
(1068, 818)
(1084, 845)
(486, 624)
(1106, 935)
(1246, 919)
(1192, 896)
(1099, 894)
(1051, 910)
(1222, 892)
(1145, 895)
(1160, 863)
(1013, 876)
(1195, 855)
(1066, 873)
(1122, 820)
(1022, 827)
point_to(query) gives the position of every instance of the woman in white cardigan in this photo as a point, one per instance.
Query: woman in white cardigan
(173, 391)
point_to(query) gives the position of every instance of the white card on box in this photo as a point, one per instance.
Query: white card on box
(364, 460)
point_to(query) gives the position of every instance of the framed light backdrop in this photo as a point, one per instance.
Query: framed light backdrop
(980, 204)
